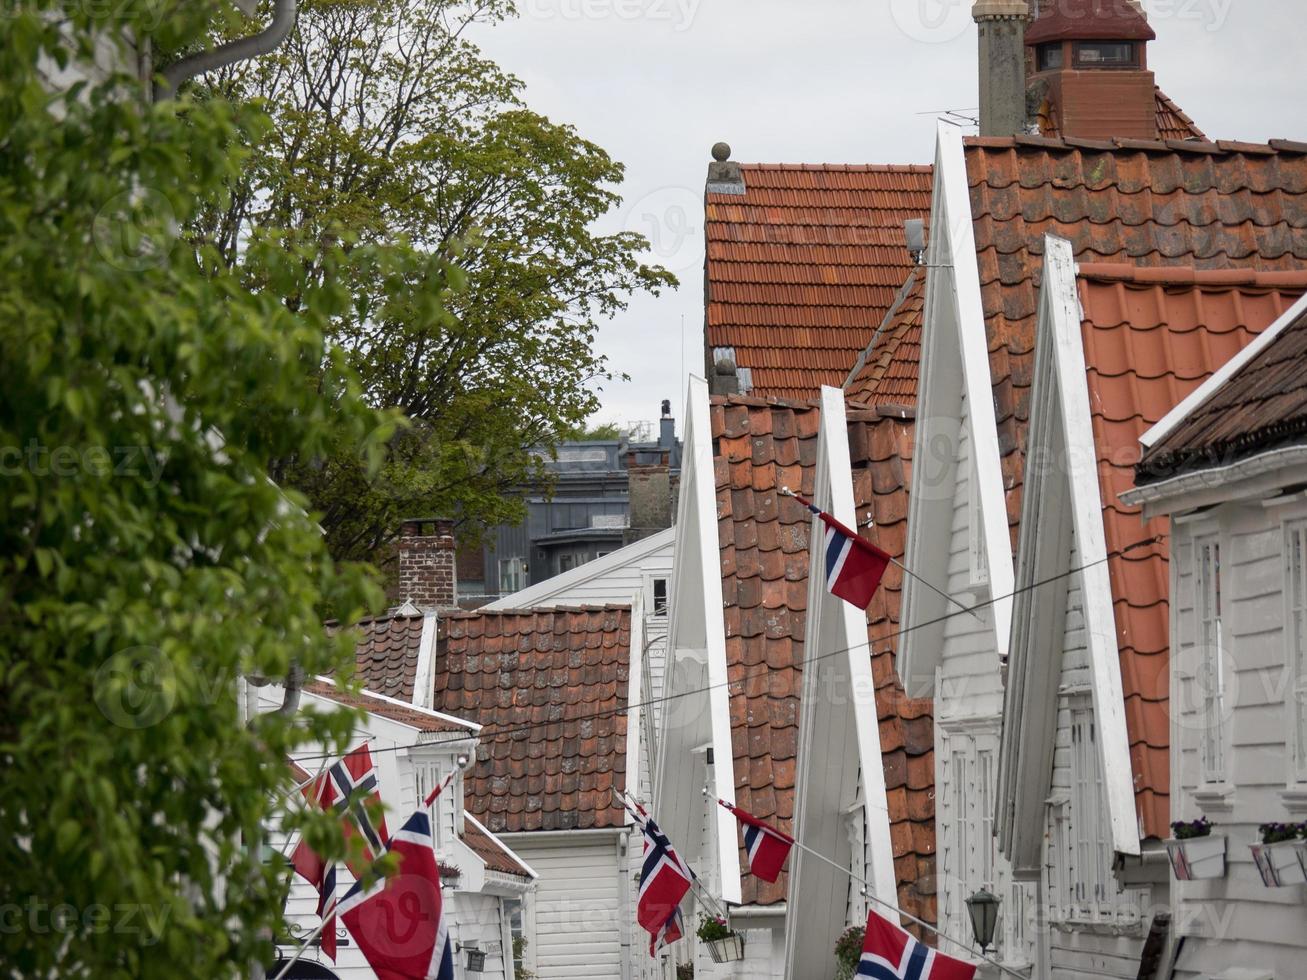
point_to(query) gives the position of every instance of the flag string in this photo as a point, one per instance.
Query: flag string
(496, 731)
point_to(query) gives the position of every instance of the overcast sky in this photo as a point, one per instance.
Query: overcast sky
(657, 82)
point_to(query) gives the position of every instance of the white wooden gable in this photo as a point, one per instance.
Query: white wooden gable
(957, 482)
(1057, 615)
(839, 737)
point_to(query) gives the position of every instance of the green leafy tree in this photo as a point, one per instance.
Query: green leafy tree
(390, 123)
(147, 562)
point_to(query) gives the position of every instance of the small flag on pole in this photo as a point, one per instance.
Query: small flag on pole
(854, 566)
(766, 846)
(892, 953)
(399, 922)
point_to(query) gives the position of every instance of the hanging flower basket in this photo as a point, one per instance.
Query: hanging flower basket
(1281, 857)
(726, 950)
(1195, 854)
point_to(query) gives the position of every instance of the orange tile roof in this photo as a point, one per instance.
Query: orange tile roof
(1261, 406)
(423, 721)
(1209, 207)
(802, 267)
(550, 685)
(764, 539)
(1149, 341)
(887, 372)
(1173, 123)
(494, 854)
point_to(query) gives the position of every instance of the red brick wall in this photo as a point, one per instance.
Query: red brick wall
(427, 566)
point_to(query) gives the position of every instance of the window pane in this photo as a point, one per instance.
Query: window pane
(1105, 54)
(1050, 57)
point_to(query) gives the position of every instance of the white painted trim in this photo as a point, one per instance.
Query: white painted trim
(1223, 374)
(1161, 498)
(423, 681)
(561, 838)
(439, 715)
(542, 592)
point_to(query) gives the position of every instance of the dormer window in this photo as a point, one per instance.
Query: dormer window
(1049, 57)
(1106, 54)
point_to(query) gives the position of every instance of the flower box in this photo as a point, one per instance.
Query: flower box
(1197, 858)
(1282, 863)
(726, 950)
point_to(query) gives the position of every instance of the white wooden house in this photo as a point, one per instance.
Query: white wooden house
(980, 421)
(484, 883)
(1227, 467)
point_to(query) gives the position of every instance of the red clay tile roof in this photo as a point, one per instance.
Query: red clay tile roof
(762, 446)
(386, 654)
(405, 714)
(1089, 20)
(802, 267)
(550, 685)
(1261, 406)
(887, 372)
(1150, 341)
(490, 851)
(1204, 206)
(1173, 123)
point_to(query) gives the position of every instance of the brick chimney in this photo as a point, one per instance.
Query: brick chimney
(427, 572)
(1088, 70)
(1002, 25)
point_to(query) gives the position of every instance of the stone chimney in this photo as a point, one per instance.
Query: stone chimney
(649, 485)
(1002, 26)
(427, 572)
(1089, 76)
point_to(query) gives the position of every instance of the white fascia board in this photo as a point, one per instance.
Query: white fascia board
(1223, 374)
(1087, 522)
(635, 698)
(471, 726)
(954, 278)
(835, 648)
(698, 553)
(423, 681)
(542, 593)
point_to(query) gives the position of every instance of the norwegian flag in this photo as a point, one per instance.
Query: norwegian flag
(892, 953)
(664, 880)
(766, 846)
(854, 566)
(331, 791)
(672, 930)
(399, 922)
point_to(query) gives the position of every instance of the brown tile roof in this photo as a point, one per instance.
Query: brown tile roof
(1098, 20)
(1261, 406)
(762, 446)
(1149, 341)
(1173, 123)
(386, 654)
(550, 685)
(802, 267)
(405, 714)
(1197, 205)
(493, 853)
(888, 370)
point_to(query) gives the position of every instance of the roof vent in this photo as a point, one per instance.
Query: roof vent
(724, 174)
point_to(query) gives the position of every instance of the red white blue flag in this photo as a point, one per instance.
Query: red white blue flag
(672, 930)
(853, 565)
(399, 922)
(766, 846)
(892, 953)
(359, 817)
(664, 880)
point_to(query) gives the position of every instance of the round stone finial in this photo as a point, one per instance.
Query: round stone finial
(721, 152)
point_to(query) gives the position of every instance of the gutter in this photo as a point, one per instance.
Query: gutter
(243, 49)
(1217, 477)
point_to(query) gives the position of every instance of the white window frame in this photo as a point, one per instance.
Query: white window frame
(427, 774)
(1295, 650)
(516, 568)
(1209, 675)
(1091, 889)
(651, 599)
(971, 755)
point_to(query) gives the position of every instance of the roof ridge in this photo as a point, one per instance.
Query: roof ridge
(1208, 148)
(1187, 275)
(847, 168)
